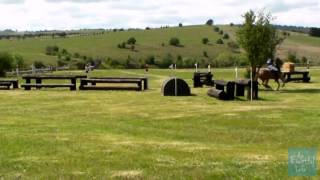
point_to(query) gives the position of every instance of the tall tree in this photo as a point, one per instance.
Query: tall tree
(258, 38)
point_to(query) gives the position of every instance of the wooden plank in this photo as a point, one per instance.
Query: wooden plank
(110, 80)
(108, 88)
(47, 85)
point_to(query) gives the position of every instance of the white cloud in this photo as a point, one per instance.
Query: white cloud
(67, 14)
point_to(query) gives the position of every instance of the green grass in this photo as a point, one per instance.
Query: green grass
(149, 42)
(58, 134)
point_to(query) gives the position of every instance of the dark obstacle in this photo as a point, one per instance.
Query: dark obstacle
(169, 87)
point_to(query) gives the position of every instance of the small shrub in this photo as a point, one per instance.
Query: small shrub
(216, 29)
(174, 41)
(220, 41)
(132, 41)
(150, 60)
(226, 36)
(180, 25)
(205, 41)
(38, 64)
(221, 32)
(231, 24)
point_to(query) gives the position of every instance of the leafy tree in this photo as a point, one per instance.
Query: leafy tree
(216, 29)
(180, 25)
(174, 41)
(231, 24)
(258, 38)
(132, 41)
(209, 22)
(205, 40)
(6, 60)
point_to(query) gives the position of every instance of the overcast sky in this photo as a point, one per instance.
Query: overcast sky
(75, 14)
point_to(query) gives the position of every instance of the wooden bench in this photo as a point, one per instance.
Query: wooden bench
(7, 83)
(303, 76)
(143, 79)
(227, 86)
(90, 84)
(243, 85)
(200, 79)
(38, 84)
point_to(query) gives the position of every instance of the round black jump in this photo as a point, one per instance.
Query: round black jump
(168, 87)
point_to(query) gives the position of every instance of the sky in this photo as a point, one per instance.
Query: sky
(78, 14)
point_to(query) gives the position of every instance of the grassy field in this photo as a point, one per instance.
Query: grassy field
(58, 134)
(149, 42)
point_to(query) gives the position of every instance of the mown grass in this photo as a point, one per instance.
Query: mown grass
(58, 134)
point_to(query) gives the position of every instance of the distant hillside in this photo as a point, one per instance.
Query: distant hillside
(153, 42)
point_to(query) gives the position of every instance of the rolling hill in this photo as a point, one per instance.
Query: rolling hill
(152, 42)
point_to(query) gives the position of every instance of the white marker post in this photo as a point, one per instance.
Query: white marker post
(196, 67)
(209, 68)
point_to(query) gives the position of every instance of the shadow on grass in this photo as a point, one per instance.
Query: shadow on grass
(307, 91)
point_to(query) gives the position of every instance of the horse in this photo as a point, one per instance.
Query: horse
(265, 75)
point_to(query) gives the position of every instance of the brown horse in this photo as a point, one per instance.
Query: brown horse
(265, 75)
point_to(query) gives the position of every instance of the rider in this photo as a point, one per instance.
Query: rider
(274, 69)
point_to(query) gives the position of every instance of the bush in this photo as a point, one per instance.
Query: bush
(205, 41)
(231, 24)
(226, 36)
(132, 41)
(216, 29)
(6, 60)
(38, 64)
(220, 41)
(221, 32)
(180, 25)
(179, 61)
(174, 42)
(209, 22)
(150, 60)
(166, 61)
